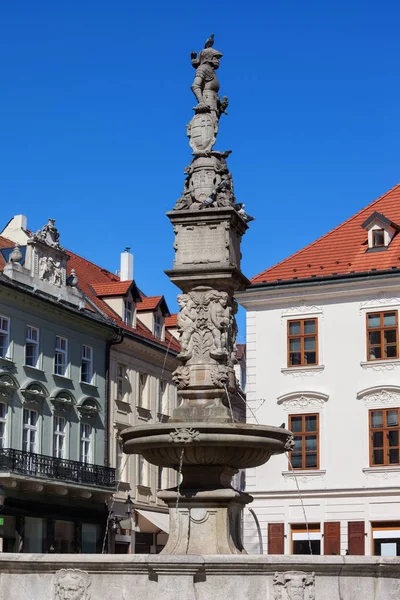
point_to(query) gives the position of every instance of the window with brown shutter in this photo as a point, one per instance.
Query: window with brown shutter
(332, 538)
(276, 538)
(356, 533)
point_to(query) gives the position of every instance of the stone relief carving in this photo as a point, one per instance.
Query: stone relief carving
(302, 402)
(382, 300)
(302, 373)
(294, 585)
(184, 436)
(302, 308)
(381, 366)
(50, 270)
(7, 386)
(48, 235)
(181, 377)
(71, 584)
(380, 397)
(207, 325)
(290, 443)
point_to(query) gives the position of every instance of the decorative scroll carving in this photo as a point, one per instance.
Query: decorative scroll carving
(48, 235)
(302, 402)
(381, 365)
(207, 325)
(379, 302)
(380, 397)
(7, 386)
(71, 584)
(184, 436)
(301, 309)
(294, 585)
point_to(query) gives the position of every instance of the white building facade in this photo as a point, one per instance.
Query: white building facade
(323, 358)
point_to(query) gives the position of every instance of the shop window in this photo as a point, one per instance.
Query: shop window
(143, 543)
(34, 534)
(90, 538)
(306, 540)
(64, 537)
(386, 538)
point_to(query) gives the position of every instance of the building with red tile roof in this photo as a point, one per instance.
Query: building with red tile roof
(343, 251)
(323, 358)
(140, 387)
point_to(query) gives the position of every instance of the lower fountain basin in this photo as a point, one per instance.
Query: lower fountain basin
(235, 445)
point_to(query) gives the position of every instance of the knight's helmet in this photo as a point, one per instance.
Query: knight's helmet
(205, 56)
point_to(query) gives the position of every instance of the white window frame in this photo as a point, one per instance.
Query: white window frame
(142, 471)
(32, 431)
(5, 335)
(29, 339)
(120, 462)
(85, 443)
(120, 381)
(59, 351)
(129, 311)
(87, 359)
(3, 424)
(162, 389)
(142, 391)
(59, 437)
(158, 326)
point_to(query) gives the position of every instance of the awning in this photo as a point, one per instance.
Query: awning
(159, 519)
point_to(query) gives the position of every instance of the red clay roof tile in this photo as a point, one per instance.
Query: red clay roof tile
(342, 250)
(116, 288)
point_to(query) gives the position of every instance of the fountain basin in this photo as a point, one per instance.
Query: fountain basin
(235, 445)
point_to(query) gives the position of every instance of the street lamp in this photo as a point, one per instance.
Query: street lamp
(115, 520)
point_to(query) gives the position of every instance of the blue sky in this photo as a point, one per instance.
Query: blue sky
(95, 97)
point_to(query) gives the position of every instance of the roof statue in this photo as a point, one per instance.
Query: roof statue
(48, 235)
(208, 182)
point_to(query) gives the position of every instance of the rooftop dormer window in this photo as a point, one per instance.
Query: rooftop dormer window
(381, 231)
(129, 312)
(378, 238)
(158, 325)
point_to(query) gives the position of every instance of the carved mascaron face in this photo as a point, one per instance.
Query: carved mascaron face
(72, 586)
(71, 590)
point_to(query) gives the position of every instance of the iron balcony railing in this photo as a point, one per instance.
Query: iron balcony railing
(58, 469)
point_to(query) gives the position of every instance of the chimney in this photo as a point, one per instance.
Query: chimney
(15, 230)
(126, 271)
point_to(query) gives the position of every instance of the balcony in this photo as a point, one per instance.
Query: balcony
(49, 468)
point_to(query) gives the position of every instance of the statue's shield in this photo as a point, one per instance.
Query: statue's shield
(202, 132)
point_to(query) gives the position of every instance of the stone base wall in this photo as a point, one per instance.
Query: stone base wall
(157, 577)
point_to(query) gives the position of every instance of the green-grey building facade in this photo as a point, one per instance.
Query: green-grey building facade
(54, 356)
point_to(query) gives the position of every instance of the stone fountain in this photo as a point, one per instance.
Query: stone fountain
(202, 440)
(204, 558)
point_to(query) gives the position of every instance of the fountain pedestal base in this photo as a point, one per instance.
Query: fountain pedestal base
(205, 521)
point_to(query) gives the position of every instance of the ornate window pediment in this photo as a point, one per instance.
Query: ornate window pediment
(380, 395)
(8, 385)
(88, 408)
(34, 393)
(62, 400)
(303, 400)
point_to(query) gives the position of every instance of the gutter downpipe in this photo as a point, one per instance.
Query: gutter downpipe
(118, 339)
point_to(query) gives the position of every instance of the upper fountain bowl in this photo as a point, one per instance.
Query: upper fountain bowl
(236, 445)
